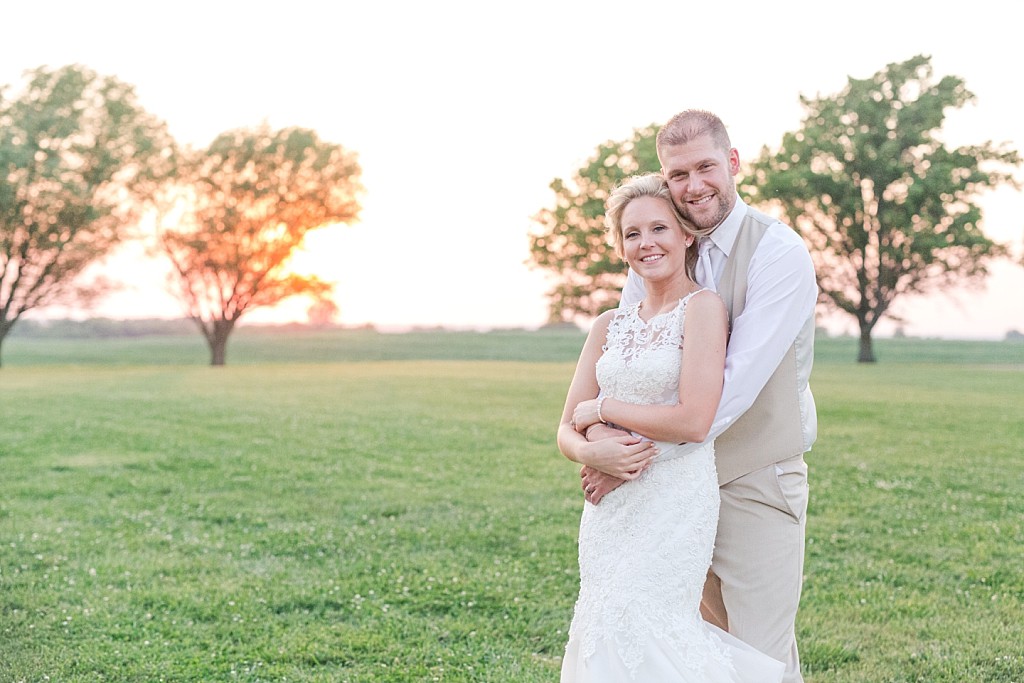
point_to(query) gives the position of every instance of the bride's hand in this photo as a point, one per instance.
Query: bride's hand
(586, 414)
(623, 457)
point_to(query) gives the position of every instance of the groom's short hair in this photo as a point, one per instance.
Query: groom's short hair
(691, 124)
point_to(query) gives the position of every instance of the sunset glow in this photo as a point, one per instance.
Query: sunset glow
(462, 115)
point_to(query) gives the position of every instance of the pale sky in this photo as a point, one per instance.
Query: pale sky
(462, 113)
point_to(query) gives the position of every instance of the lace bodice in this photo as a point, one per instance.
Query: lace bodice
(641, 358)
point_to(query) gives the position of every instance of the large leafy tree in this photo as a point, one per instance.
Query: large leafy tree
(242, 207)
(79, 158)
(885, 206)
(572, 242)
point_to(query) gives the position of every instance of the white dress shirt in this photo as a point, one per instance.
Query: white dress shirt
(781, 294)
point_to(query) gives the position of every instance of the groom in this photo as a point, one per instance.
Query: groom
(766, 419)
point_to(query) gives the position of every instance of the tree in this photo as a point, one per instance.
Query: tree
(79, 158)
(885, 206)
(573, 242)
(243, 206)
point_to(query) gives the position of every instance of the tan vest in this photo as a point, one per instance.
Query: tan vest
(772, 429)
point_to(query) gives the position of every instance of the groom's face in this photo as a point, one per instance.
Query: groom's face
(701, 179)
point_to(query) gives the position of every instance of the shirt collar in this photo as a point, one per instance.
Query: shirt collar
(724, 236)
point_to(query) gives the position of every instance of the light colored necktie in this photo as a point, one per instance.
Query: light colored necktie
(705, 273)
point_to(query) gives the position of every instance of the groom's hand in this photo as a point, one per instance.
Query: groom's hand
(596, 484)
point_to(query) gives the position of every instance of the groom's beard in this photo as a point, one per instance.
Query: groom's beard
(706, 221)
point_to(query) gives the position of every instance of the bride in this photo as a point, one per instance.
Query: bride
(654, 369)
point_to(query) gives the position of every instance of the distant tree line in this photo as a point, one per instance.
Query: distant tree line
(101, 328)
(111, 328)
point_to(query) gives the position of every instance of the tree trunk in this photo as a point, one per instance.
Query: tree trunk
(218, 341)
(218, 351)
(867, 351)
(5, 327)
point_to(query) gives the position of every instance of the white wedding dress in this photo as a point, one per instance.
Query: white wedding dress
(645, 549)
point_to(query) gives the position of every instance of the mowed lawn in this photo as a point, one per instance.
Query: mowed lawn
(363, 507)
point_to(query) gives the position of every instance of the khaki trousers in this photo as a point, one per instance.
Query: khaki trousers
(753, 588)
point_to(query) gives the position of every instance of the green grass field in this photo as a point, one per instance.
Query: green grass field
(362, 507)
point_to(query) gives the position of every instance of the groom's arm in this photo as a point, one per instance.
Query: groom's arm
(781, 295)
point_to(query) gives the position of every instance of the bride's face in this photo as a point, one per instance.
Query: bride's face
(653, 241)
